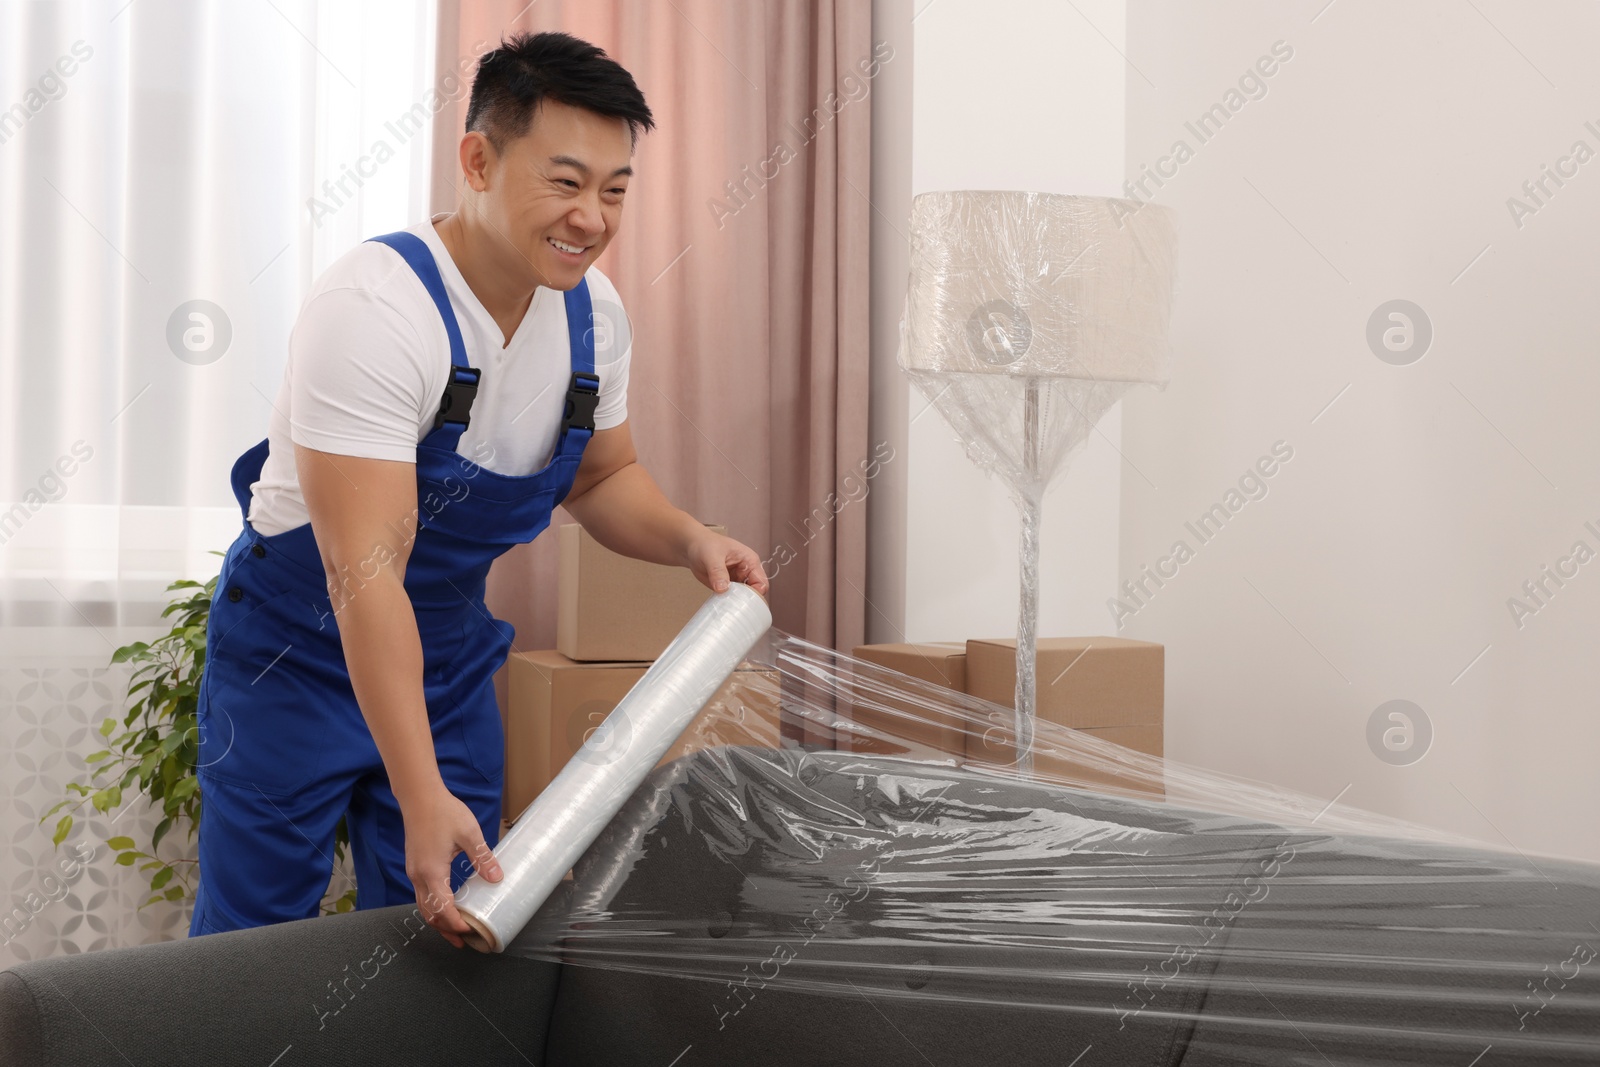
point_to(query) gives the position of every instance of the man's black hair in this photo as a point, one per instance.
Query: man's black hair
(528, 68)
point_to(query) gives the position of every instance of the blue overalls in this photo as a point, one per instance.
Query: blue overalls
(284, 750)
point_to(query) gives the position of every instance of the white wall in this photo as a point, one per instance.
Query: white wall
(1003, 95)
(1380, 564)
(892, 95)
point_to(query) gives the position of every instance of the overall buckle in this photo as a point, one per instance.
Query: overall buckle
(456, 404)
(583, 395)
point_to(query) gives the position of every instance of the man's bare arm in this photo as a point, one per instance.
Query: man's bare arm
(364, 516)
(616, 500)
(621, 506)
(361, 510)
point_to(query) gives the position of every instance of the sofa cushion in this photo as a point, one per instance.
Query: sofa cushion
(371, 987)
(1410, 954)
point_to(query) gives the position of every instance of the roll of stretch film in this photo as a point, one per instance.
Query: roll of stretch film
(564, 820)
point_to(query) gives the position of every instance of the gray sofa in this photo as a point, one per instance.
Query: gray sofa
(753, 906)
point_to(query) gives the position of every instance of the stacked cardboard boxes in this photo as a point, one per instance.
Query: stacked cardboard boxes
(615, 615)
(1111, 688)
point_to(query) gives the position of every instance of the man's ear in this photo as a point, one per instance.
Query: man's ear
(477, 157)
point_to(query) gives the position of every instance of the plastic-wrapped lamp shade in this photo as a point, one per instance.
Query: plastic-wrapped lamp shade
(1039, 285)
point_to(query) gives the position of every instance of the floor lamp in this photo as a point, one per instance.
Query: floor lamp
(1028, 315)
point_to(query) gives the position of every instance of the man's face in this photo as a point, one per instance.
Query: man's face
(559, 188)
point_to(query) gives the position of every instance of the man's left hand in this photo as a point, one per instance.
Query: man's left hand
(716, 559)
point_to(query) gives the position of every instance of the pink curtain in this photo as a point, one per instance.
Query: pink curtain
(743, 263)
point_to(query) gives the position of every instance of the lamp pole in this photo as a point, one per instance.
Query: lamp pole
(1030, 511)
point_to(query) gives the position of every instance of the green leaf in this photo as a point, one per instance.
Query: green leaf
(55, 808)
(154, 750)
(127, 652)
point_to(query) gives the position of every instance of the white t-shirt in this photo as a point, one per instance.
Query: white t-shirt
(369, 359)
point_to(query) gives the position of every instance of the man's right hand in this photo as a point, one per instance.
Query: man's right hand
(438, 826)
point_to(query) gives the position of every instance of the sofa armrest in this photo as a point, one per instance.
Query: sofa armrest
(369, 987)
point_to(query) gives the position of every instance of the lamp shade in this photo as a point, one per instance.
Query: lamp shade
(1039, 285)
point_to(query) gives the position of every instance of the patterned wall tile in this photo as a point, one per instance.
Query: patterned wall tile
(59, 901)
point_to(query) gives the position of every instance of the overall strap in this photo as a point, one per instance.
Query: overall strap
(455, 407)
(583, 390)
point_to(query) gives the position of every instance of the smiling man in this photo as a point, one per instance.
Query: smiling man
(447, 386)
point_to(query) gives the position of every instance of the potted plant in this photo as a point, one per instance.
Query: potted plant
(155, 748)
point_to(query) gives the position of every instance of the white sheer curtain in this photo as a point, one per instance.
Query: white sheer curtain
(172, 176)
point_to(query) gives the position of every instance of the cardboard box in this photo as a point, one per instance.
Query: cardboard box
(611, 607)
(1083, 682)
(809, 712)
(555, 702)
(1146, 739)
(547, 692)
(745, 711)
(908, 726)
(1110, 687)
(1095, 773)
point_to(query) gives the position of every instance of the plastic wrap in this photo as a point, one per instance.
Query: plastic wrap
(572, 810)
(840, 842)
(1028, 316)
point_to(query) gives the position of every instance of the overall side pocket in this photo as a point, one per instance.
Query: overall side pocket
(263, 714)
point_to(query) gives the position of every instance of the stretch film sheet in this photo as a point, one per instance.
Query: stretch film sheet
(845, 845)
